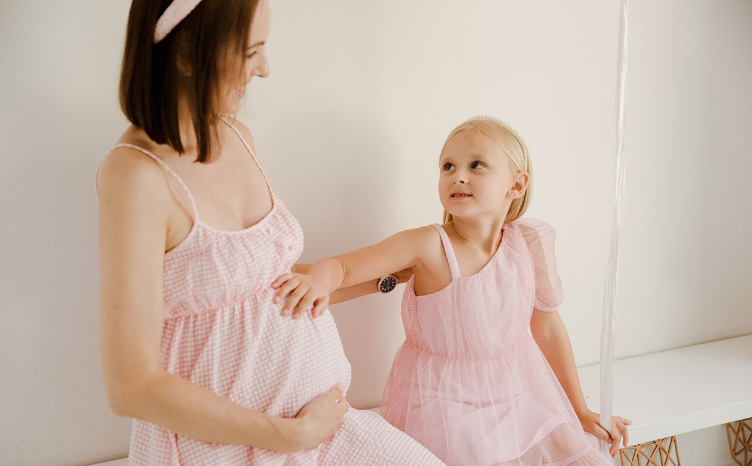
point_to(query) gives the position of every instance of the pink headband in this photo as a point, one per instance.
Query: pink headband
(172, 16)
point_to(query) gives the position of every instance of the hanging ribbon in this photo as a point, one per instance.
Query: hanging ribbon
(608, 331)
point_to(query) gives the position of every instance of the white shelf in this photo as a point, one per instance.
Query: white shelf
(677, 391)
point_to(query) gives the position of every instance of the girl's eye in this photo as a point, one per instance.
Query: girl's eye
(251, 55)
(477, 165)
(448, 166)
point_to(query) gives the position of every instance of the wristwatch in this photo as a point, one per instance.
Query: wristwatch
(387, 283)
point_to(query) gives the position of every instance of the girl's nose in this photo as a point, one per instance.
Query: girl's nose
(459, 178)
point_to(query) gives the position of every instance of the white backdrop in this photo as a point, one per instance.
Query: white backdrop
(348, 126)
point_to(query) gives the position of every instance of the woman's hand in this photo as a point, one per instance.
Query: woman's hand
(305, 291)
(319, 419)
(618, 434)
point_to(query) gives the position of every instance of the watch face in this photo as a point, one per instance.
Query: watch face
(387, 284)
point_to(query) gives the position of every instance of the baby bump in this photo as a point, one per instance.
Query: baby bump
(290, 364)
(249, 353)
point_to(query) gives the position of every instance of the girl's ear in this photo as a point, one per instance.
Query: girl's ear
(519, 185)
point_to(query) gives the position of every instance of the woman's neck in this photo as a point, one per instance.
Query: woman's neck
(185, 126)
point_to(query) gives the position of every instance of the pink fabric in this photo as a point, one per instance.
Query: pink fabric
(222, 332)
(469, 382)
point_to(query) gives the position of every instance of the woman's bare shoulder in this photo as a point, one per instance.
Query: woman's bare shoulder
(128, 175)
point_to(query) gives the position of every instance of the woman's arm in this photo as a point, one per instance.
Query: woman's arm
(551, 335)
(342, 295)
(135, 204)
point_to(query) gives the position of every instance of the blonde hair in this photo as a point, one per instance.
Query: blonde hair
(510, 141)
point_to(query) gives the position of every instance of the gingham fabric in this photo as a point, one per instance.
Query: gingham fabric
(222, 332)
(469, 382)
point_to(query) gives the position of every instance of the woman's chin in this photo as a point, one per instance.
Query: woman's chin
(230, 109)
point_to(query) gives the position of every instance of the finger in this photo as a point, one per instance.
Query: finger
(335, 397)
(293, 299)
(281, 279)
(343, 407)
(601, 433)
(614, 444)
(624, 432)
(319, 308)
(322, 305)
(616, 439)
(305, 304)
(286, 289)
(298, 289)
(341, 400)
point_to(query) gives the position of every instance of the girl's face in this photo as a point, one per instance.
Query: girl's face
(255, 61)
(477, 178)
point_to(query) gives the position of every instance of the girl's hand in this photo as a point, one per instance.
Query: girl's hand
(319, 419)
(305, 291)
(618, 434)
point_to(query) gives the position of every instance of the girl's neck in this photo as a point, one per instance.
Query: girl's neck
(484, 234)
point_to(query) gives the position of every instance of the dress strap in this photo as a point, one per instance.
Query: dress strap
(156, 159)
(224, 120)
(454, 267)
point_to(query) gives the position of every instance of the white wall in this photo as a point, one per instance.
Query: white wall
(348, 126)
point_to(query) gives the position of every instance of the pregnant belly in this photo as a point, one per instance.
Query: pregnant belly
(292, 363)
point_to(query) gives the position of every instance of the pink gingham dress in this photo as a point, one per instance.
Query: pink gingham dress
(469, 382)
(222, 332)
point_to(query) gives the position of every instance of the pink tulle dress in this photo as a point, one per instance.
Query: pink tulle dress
(469, 382)
(221, 331)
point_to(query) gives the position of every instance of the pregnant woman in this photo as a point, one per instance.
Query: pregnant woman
(191, 237)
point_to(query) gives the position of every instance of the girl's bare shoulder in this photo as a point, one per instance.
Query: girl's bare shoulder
(427, 245)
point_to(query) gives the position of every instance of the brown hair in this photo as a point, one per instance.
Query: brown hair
(211, 42)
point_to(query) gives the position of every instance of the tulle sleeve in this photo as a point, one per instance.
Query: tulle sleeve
(540, 238)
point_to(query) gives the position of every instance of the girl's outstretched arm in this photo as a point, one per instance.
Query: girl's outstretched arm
(341, 295)
(551, 335)
(401, 251)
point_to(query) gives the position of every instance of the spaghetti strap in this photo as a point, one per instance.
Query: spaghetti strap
(454, 267)
(250, 151)
(247, 146)
(156, 159)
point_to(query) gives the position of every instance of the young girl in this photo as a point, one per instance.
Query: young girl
(486, 375)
